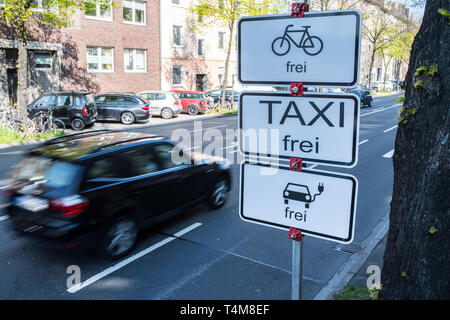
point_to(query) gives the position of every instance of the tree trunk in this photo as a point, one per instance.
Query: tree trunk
(417, 258)
(372, 60)
(22, 81)
(227, 62)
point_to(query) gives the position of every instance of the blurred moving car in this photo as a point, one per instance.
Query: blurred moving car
(75, 108)
(192, 102)
(126, 108)
(164, 104)
(365, 97)
(100, 188)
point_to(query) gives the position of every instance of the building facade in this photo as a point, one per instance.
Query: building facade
(107, 49)
(192, 60)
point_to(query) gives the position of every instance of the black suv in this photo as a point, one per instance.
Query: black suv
(126, 108)
(75, 108)
(101, 187)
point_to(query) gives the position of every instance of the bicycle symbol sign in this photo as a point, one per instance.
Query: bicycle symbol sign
(312, 45)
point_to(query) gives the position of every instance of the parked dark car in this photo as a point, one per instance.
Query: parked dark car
(100, 188)
(75, 108)
(365, 97)
(126, 108)
(192, 102)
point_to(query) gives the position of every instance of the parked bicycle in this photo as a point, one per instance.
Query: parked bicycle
(312, 45)
(10, 119)
(45, 121)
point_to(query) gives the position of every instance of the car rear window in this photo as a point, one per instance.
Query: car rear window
(89, 98)
(51, 173)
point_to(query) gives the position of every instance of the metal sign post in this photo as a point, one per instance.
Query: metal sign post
(297, 263)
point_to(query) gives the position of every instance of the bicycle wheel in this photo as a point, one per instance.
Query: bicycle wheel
(58, 124)
(313, 46)
(281, 46)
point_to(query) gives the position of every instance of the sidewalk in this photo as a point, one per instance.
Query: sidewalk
(356, 288)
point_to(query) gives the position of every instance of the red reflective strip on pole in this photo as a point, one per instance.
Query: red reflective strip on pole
(298, 9)
(297, 89)
(295, 234)
(296, 164)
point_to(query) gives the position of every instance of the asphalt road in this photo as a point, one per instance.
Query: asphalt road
(203, 254)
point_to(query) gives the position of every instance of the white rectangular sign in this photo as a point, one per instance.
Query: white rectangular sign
(322, 128)
(319, 203)
(321, 48)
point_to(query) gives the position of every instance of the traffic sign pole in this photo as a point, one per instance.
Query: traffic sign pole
(297, 263)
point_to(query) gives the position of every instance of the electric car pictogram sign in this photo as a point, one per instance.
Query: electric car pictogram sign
(319, 203)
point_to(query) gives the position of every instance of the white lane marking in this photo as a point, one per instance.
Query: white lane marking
(394, 106)
(193, 148)
(11, 153)
(234, 151)
(203, 129)
(134, 257)
(362, 142)
(389, 154)
(313, 166)
(2, 218)
(387, 130)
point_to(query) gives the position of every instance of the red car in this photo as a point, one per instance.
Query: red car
(192, 102)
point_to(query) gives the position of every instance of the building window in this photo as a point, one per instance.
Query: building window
(100, 59)
(43, 60)
(176, 2)
(135, 60)
(98, 10)
(201, 47)
(11, 55)
(176, 75)
(134, 12)
(177, 35)
(221, 37)
(41, 5)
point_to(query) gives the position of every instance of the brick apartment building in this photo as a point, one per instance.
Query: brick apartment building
(106, 50)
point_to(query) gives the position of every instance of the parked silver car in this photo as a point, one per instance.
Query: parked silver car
(162, 103)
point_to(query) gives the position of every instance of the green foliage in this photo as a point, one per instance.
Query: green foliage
(432, 230)
(418, 84)
(404, 274)
(8, 135)
(404, 113)
(400, 99)
(420, 70)
(444, 12)
(352, 292)
(432, 70)
(25, 17)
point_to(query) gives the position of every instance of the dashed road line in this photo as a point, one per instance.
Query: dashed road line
(394, 106)
(134, 257)
(3, 218)
(389, 154)
(387, 130)
(362, 142)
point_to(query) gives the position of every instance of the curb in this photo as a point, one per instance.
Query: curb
(21, 144)
(354, 264)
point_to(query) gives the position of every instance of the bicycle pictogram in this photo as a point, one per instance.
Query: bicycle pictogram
(312, 45)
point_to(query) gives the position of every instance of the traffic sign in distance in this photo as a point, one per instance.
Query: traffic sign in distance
(321, 128)
(319, 203)
(321, 48)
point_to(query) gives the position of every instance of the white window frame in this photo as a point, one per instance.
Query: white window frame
(40, 7)
(43, 68)
(133, 16)
(177, 4)
(97, 12)
(134, 59)
(223, 40)
(99, 60)
(203, 47)
(180, 66)
(181, 36)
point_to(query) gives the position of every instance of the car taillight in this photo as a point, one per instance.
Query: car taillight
(9, 191)
(145, 108)
(85, 111)
(69, 206)
(176, 103)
